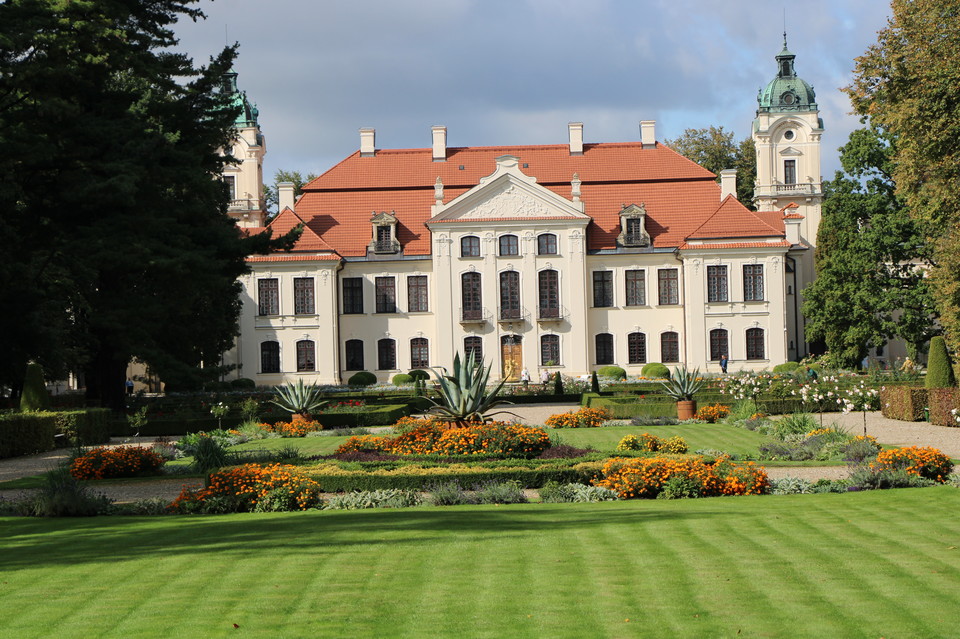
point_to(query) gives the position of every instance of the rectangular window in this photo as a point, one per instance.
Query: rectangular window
(718, 344)
(470, 296)
(270, 357)
(230, 181)
(306, 359)
(550, 350)
(419, 353)
(637, 348)
(549, 291)
(604, 344)
(352, 294)
(386, 295)
(268, 296)
(602, 289)
(669, 286)
(417, 294)
(386, 354)
(354, 355)
(473, 345)
(303, 295)
(755, 348)
(636, 288)
(470, 246)
(716, 283)
(753, 282)
(669, 347)
(509, 245)
(789, 171)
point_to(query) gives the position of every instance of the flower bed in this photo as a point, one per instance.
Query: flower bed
(583, 418)
(647, 478)
(922, 461)
(122, 461)
(711, 414)
(675, 445)
(432, 437)
(251, 487)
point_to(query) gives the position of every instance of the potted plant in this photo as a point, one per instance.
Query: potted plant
(301, 400)
(682, 386)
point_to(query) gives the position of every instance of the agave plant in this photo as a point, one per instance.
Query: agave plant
(298, 398)
(683, 384)
(464, 397)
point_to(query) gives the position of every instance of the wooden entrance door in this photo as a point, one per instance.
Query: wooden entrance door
(511, 357)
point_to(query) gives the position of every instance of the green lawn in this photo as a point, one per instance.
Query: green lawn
(853, 565)
(717, 436)
(324, 445)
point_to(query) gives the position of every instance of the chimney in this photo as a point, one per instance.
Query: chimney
(575, 129)
(728, 183)
(285, 198)
(439, 143)
(791, 226)
(367, 142)
(648, 134)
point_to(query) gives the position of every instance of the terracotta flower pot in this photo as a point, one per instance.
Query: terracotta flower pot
(686, 409)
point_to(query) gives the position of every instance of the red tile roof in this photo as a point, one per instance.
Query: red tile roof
(680, 196)
(733, 220)
(293, 257)
(735, 245)
(308, 240)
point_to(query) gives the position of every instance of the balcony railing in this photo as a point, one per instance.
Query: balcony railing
(386, 246)
(248, 204)
(510, 314)
(473, 315)
(551, 313)
(803, 188)
(636, 239)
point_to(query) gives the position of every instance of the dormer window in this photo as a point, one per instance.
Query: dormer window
(384, 233)
(633, 231)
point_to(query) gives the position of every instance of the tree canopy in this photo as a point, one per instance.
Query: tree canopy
(271, 194)
(907, 84)
(871, 258)
(111, 207)
(714, 149)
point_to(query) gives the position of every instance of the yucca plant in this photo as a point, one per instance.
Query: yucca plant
(464, 397)
(298, 398)
(683, 384)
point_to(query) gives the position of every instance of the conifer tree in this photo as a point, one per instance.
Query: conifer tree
(939, 369)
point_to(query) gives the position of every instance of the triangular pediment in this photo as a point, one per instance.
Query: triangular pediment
(790, 151)
(508, 194)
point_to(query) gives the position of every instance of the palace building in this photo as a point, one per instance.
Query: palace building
(562, 257)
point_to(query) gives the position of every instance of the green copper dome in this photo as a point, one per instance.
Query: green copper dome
(787, 91)
(248, 114)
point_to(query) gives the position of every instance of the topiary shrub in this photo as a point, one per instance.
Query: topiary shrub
(615, 372)
(939, 368)
(243, 383)
(402, 379)
(419, 373)
(786, 367)
(655, 370)
(594, 383)
(363, 378)
(557, 384)
(35, 396)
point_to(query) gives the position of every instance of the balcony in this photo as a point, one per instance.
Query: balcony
(386, 246)
(248, 204)
(473, 315)
(803, 188)
(551, 313)
(511, 314)
(635, 239)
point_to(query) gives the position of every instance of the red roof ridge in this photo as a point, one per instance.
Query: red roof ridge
(732, 219)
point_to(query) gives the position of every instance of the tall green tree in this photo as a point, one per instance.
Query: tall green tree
(271, 193)
(117, 226)
(871, 258)
(907, 83)
(715, 150)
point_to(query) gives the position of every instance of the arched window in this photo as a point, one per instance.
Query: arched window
(546, 244)
(637, 348)
(509, 245)
(306, 356)
(470, 246)
(419, 353)
(473, 344)
(510, 295)
(354, 355)
(549, 294)
(386, 354)
(550, 350)
(270, 357)
(472, 301)
(669, 347)
(604, 343)
(718, 344)
(755, 347)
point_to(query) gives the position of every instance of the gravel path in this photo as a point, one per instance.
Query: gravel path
(887, 431)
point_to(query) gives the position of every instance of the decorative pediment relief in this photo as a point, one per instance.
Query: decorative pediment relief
(382, 218)
(508, 194)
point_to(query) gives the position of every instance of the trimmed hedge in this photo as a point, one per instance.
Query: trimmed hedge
(905, 403)
(376, 415)
(939, 368)
(26, 433)
(90, 426)
(616, 372)
(941, 402)
(413, 477)
(362, 378)
(655, 369)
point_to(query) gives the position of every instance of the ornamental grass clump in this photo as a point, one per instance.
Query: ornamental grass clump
(645, 477)
(120, 461)
(464, 397)
(298, 399)
(251, 487)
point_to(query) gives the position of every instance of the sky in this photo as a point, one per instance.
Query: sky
(506, 72)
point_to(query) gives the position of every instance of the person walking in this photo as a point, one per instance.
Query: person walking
(723, 363)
